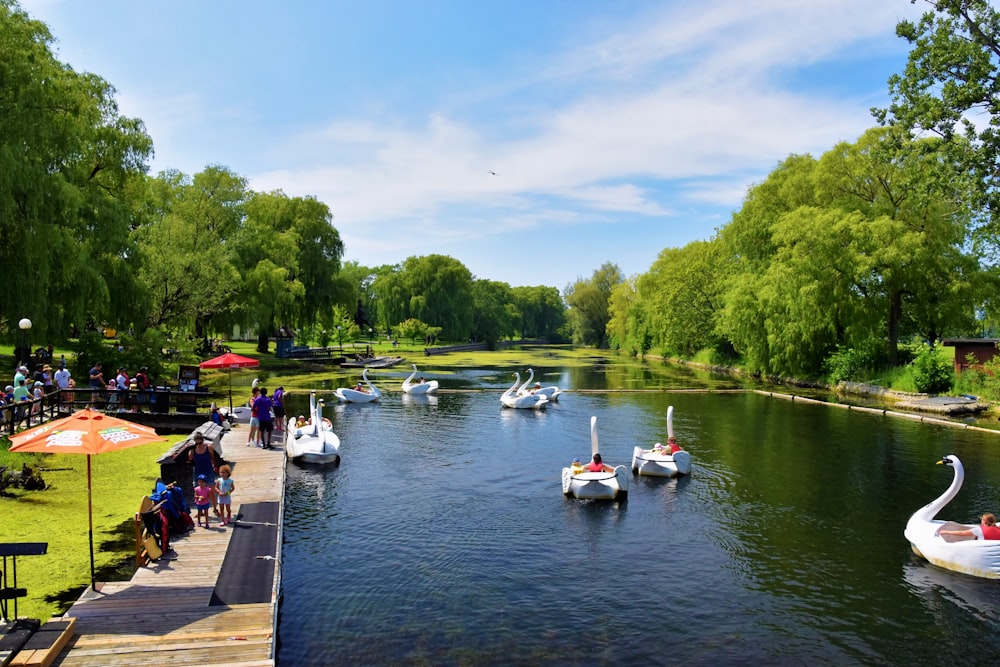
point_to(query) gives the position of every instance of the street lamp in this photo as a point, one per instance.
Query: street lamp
(24, 325)
(370, 336)
(340, 340)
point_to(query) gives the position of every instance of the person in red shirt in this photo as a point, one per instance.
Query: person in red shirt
(986, 530)
(673, 446)
(598, 465)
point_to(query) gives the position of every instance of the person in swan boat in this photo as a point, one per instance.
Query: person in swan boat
(986, 530)
(598, 465)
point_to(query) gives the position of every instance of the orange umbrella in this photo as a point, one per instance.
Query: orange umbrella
(84, 432)
(230, 361)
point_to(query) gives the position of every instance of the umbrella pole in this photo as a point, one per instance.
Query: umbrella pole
(90, 515)
(230, 391)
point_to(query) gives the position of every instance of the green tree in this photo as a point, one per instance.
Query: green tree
(69, 163)
(683, 293)
(950, 87)
(869, 245)
(187, 261)
(589, 305)
(538, 312)
(272, 256)
(435, 289)
(492, 320)
(412, 329)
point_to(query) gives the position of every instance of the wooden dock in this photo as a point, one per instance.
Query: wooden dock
(163, 616)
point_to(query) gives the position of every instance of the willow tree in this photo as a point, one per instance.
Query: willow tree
(540, 312)
(289, 256)
(682, 295)
(435, 289)
(187, 260)
(493, 315)
(589, 305)
(871, 246)
(68, 166)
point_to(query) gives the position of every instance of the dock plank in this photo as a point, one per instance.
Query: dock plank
(162, 615)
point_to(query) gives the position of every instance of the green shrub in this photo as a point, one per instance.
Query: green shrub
(849, 364)
(932, 374)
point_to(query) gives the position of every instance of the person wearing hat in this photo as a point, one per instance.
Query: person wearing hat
(216, 415)
(577, 467)
(202, 498)
(20, 374)
(38, 394)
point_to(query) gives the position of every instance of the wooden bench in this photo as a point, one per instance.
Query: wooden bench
(42, 647)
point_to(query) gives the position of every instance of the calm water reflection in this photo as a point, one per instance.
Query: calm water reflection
(444, 538)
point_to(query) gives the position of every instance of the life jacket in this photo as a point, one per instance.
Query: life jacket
(990, 532)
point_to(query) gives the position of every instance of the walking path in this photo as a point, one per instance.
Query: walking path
(163, 616)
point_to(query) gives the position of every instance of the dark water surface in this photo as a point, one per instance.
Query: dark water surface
(443, 538)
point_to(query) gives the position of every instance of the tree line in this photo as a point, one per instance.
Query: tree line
(835, 261)
(93, 240)
(830, 264)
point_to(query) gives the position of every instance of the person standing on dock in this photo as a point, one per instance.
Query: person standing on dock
(278, 403)
(254, 433)
(202, 457)
(264, 405)
(224, 487)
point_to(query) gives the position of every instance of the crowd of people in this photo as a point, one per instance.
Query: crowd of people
(121, 393)
(22, 400)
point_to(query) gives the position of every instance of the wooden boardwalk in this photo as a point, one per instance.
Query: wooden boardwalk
(162, 616)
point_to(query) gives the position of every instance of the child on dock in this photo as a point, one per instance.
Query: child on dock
(224, 487)
(202, 498)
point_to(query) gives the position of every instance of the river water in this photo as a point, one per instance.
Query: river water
(443, 537)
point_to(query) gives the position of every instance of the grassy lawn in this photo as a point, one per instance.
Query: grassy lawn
(58, 516)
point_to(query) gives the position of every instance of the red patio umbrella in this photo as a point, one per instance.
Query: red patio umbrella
(230, 361)
(84, 432)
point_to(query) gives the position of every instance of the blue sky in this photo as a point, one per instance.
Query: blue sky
(616, 129)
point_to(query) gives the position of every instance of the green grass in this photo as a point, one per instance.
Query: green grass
(58, 516)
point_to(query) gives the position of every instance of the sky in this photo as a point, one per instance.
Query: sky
(532, 141)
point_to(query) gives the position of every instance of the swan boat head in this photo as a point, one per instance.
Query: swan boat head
(349, 395)
(511, 399)
(979, 558)
(551, 392)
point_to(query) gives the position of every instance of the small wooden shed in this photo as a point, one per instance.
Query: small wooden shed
(982, 350)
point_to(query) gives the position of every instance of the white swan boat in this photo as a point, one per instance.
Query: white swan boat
(581, 483)
(419, 387)
(348, 395)
(314, 440)
(980, 558)
(551, 392)
(658, 461)
(510, 399)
